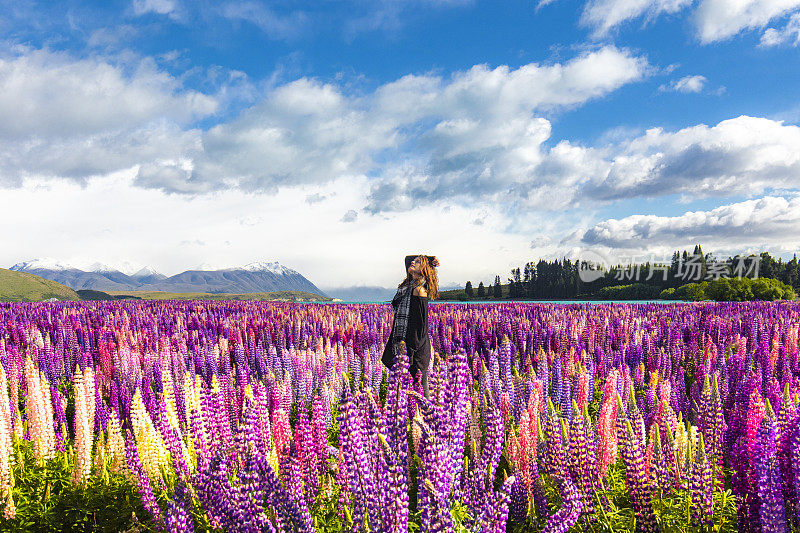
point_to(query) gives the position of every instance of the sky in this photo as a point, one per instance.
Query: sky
(337, 136)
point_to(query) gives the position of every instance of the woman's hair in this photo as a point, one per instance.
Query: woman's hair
(428, 269)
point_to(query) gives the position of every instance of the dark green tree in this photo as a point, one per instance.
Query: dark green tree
(468, 289)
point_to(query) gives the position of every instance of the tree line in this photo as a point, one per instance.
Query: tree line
(569, 279)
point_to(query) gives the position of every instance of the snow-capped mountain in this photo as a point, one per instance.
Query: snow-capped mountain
(254, 277)
(147, 275)
(75, 278)
(43, 263)
(274, 267)
(102, 267)
(146, 271)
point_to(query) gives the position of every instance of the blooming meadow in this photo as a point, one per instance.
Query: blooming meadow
(258, 416)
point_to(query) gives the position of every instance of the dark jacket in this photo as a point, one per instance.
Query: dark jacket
(418, 344)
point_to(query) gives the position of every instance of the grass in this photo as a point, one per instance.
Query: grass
(283, 296)
(25, 287)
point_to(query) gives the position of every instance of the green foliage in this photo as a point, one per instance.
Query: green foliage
(667, 294)
(461, 518)
(327, 514)
(634, 291)
(26, 287)
(47, 500)
(692, 292)
(333, 431)
(614, 509)
(732, 290)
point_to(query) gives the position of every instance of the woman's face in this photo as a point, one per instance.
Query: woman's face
(416, 266)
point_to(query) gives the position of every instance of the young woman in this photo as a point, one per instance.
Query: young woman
(410, 321)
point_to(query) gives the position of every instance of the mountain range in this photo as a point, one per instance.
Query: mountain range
(255, 277)
(367, 293)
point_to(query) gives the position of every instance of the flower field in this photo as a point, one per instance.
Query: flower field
(258, 416)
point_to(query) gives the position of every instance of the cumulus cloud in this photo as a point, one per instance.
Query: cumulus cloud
(476, 137)
(687, 84)
(770, 219)
(74, 118)
(744, 155)
(740, 156)
(486, 138)
(721, 19)
(50, 94)
(421, 135)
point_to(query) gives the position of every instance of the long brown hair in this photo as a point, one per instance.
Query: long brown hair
(428, 274)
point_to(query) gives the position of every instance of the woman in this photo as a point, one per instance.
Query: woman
(410, 321)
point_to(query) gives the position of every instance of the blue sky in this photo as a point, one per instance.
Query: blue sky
(174, 134)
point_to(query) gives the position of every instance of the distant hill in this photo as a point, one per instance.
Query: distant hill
(369, 293)
(26, 287)
(253, 278)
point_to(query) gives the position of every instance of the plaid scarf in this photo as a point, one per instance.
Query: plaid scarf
(401, 304)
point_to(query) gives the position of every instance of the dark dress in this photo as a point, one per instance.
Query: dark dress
(418, 344)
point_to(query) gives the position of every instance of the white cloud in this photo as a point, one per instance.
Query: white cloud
(687, 84)
(476, 137)
(740, 156)
(160, 7)
(234, 228)
(74, 118)
(790, 33)
(77, 118)
(721, 19)
(50, 94)
(769, 221)
(744, 155)
(714, 20)
(478, 128)
(604, 15)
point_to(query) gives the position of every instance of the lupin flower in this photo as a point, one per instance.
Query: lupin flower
(142, 480)
(84, 424)
(635, 477)
(570, 511)
(554, 460)
(6, 449)
(177, 516)
(769, 480)
(701, 486)
(151, 449)
(607, 425)
(582, 464)
(39, 411)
